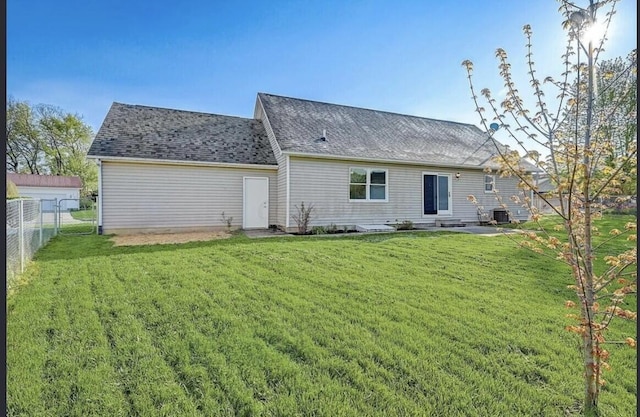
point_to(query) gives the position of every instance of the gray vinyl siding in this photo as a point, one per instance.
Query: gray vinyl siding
(148, 197)
(506, 189)
(281, 210)
(325, 184)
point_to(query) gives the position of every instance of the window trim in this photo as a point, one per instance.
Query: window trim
(492, 183)
(368, 185)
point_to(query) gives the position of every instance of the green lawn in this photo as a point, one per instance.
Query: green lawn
(86, 215)
(88, 222)
(405, 324)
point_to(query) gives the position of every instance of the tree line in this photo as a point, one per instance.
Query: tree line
(43, 139)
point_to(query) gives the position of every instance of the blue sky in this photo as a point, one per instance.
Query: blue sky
(215, 56)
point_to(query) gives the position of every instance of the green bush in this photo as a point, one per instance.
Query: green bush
(405, 225)
(333, 228)
(318, 230)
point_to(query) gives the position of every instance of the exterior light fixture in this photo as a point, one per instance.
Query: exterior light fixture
(457, 175)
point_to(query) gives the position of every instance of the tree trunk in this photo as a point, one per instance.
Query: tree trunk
(591, 368)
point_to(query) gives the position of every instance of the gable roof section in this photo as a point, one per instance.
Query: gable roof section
(358, 133)
(32, 180)
(142, 132)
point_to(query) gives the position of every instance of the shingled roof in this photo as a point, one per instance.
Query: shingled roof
(142, 132)
(355, 132)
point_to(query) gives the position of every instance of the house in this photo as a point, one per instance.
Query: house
(64, 189)
(546, 187)
(164, 170)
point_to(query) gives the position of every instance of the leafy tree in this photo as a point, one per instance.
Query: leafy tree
(43, 139)
(617, 97)
(588, 130)
(25, 146)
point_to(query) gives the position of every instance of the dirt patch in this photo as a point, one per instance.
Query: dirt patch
(166, 238)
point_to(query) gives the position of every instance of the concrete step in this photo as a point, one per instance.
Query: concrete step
(374, 228)
(449, 222)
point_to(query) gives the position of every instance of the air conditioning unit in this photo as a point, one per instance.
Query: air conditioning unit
(500, 216)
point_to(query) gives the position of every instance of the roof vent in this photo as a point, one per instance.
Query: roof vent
(324, 135)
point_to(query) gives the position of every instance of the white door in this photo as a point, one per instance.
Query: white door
(256, 203)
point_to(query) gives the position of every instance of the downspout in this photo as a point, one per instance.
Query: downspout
(287, 164)
(99, 162)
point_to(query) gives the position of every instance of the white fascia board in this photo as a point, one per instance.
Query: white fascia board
(265, 118)
(175, 162)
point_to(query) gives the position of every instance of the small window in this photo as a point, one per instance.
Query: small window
(367, 184)
(489, 183)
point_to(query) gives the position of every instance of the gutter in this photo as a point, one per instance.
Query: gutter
(384, 161)
(176, 162)
(379, 160)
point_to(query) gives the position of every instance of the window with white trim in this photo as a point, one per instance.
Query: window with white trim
(489, 183)
(367, 184)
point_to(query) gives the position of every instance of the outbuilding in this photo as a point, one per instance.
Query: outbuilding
(64, 189)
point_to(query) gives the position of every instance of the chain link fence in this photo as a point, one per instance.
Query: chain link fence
(29, 227)
(77, 216)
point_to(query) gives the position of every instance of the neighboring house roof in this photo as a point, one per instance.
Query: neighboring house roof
(359, 133)
(545, 184)
(32, 180)
(132, 131)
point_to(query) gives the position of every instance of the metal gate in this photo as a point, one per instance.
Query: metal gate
(77, 216)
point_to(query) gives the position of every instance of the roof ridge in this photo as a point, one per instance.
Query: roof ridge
(42, 175)
(369, 109)
(181, 110)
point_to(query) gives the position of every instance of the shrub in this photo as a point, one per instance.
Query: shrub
(318, 230)
(86, 203)
(405, 225)
(332, 228)
(303, 217)
(227, 220)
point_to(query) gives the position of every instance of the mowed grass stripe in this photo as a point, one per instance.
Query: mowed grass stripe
(284, 331)
(403, 324)
(558, 328)
(238, 346)
(184, 347)
(233, 280)
(146, 379)
(406, 338)
(28, 324)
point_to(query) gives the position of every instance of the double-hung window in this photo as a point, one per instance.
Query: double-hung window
(489, 183)
(367, 184)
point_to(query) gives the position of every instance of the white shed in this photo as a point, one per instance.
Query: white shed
(49, 187)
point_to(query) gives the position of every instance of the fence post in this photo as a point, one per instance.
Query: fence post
(56, 214)
(21, 234)
(41, 223)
